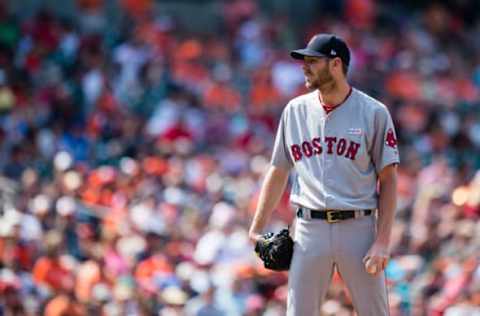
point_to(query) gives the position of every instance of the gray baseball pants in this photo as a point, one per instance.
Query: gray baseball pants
(318, 246)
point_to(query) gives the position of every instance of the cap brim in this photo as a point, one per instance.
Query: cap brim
(301, 53)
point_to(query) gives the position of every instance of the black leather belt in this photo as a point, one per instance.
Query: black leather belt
(332, 216)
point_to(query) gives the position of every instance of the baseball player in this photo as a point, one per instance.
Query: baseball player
(342, 146)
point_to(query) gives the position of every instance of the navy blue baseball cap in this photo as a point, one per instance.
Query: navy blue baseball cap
(324, 45)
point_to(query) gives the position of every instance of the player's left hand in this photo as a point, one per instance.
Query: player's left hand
(376, 259)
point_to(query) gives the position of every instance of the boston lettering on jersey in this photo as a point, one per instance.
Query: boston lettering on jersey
(342, 147)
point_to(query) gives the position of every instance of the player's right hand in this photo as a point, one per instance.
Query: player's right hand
(371, 266)
(376, 259)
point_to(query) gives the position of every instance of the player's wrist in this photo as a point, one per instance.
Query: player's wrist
(254, 236)
(382, 242)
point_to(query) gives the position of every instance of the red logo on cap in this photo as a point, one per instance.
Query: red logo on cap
(390, 140)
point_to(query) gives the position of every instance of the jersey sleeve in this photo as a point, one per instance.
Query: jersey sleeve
(280, 155)
(385, 145)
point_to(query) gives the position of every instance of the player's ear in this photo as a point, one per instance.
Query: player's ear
(338, 63)
(334, 63)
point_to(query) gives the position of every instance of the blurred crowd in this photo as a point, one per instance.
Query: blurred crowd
(132, 154)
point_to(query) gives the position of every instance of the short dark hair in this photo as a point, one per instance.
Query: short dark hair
(344, 68)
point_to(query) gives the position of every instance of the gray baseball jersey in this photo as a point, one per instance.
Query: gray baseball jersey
(338, 156)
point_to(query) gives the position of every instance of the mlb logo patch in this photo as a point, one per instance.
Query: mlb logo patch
(354, 131)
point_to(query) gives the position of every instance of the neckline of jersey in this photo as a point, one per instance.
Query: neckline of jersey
(328, 109)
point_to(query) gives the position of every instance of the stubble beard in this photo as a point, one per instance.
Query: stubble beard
(323, 81)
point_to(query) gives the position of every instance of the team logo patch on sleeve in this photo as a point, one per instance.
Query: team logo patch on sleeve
(390, 140)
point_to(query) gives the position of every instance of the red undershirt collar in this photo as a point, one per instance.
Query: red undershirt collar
(329, 108)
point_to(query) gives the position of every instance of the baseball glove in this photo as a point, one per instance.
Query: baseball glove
(275, 250)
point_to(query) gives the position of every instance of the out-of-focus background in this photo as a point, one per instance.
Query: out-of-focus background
(134, 135)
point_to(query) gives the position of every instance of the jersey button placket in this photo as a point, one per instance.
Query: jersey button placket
(327, 163)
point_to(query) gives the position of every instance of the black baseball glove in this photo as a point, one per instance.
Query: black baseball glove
(275, 250)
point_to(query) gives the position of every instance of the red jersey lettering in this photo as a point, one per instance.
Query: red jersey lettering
(341, 146)
(296, 152)
(317, 145)
(307, 149)
(352, 150)
(330, 141)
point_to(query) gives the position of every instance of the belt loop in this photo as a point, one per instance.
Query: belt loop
(307, 213)
(363, 213)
